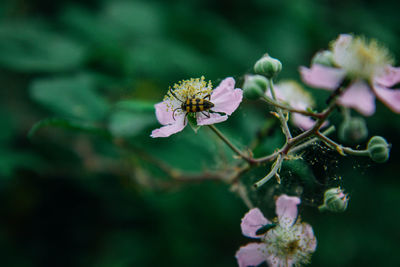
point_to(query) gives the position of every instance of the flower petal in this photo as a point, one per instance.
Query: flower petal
(252, 221)
(307, 239)
(322, 77)
(164, 112)
(169, 129)
(286, 209)
(390, 97)
(359, 97)
(225, 97)
(252, 254)
(303, 122)
(276, 261)
(390, 77)
(340, 49)
(214, 118)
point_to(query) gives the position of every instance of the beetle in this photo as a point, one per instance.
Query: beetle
(265, 228)
(193, 105)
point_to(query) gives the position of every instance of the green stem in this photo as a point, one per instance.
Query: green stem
(229, 143)
(277, 165)
(342, 150)
(282, 118)
(302, 146)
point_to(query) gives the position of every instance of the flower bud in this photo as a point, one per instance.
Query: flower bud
(268, 66)
(378, 149)
(353, 130)
(324, 58)
(254, 86)
(334, 200)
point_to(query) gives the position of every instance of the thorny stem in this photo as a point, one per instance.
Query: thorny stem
(282, 118)
(275, 167)
(311, 141)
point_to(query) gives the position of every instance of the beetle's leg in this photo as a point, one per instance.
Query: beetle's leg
(173, 112)
(205, 114)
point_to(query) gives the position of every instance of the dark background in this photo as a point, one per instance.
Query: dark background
(83, 192)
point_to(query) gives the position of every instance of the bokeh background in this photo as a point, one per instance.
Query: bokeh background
(86, 188)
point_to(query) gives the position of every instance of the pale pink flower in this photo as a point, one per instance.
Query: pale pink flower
(367, 65)
(225, 99)
(286, 244)
(292, 94)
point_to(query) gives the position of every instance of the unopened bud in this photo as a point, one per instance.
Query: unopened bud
(254, 86)
(324, 58)
(353, 130)
(268, 66)
(378, 149)
(334, 200)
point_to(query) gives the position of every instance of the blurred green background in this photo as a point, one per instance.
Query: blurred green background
(84, 189)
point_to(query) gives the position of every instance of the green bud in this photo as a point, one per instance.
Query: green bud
(353, 130)
(254, 86)
(378, 149)
(324, 58)
(334, 200)
(268, 66)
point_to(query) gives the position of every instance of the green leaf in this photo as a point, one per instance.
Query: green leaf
(30, 47)
(72, 97)
(67, 124)
(131, 117)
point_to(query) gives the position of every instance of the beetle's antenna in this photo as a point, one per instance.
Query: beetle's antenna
(173, 94)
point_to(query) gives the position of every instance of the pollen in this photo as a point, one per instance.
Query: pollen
(362, 58)
(187, 89)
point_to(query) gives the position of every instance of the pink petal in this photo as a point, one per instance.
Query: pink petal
(390, 97)
(286, 209)
(214, 118)
(163, 113)
(359, 97)
(322, 77)
(252, 254)
(303, 122)
(307, 238)
(169, 129)
(225, 97)
(252, 221)
(390, 77)
(275, 261)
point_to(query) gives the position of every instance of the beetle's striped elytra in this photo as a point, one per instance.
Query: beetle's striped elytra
(196, 105)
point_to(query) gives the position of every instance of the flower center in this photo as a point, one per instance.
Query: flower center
(187, 89)
(361, 58)
(285, 243)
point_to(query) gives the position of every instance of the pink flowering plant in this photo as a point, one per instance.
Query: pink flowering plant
(287, 242)
(174, 110)
(353, 72)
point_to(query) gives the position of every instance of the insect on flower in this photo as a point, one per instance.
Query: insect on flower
(196, 98)
(193, 104)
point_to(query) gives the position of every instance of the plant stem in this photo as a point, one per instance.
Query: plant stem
(229, 143)
(282, 118)
(274, 170)
(302, 146)
(342, 150)
(282, 106)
